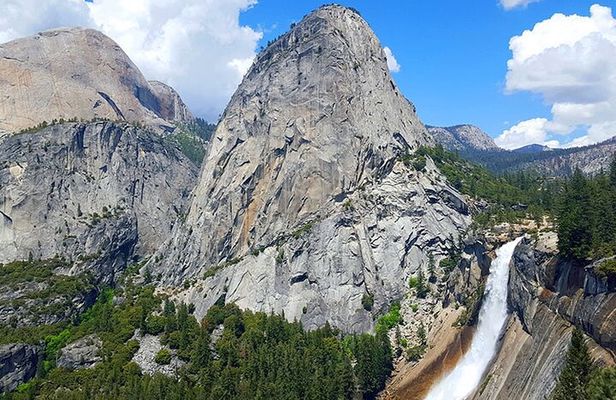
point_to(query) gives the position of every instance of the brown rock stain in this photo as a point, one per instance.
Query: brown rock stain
(414, 382)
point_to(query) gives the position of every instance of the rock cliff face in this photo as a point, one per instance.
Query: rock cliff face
(463, 138)
(17, 364)
(171, 105)
(548, 297)
(94, 193)
(78, 73)
(303, 204)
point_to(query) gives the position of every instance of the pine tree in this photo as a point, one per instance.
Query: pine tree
(573, 379)
(422, 287)
(613, 172)
(431, 268)
(574, 218)
(602, 385)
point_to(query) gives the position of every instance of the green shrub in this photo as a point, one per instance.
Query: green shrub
(348, 205)
(389, 320)
(132, 346)
(173, 339)
(280, 256)
(414, 353)
(602, 384)
(163, 357)
(448, 264)
(55, 342)
(419, 163)
(303, 230)
(156, 324)
(607, 268)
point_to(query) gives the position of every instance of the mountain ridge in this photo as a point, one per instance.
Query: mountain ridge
(298, 163)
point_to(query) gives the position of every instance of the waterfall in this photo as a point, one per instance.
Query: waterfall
(464, 378)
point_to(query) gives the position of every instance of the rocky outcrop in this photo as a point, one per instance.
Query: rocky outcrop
(18, 363)
(548, 298)
(149, 346)
(566, 288)
(35, 303)
(463, 138)
(95, 193)
(78, 73)
(303, 204)
(171, 105)
(532, 149)
(82, 353)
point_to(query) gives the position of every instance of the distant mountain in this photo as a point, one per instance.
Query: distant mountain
(475, 145)
(462, 138)
(546, 161)
(560, 162)
(76, 73)
(532, 149)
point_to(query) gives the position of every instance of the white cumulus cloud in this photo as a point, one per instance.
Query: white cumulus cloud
(526, 132)
(392, 63)
(569, 61)
(198, 47)
(510, 4)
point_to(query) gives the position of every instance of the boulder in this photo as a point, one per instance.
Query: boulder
(83, 353)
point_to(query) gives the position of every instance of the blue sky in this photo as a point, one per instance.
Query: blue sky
(453, 57)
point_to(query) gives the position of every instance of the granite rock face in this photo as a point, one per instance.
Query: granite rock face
(171, 105)
(83, 353)
(304, 205)
(463, 138)
(95, 193)
(77, 73)
(18, 363)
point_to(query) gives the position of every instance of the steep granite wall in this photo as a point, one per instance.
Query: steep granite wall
(94, 193)
(304, 204)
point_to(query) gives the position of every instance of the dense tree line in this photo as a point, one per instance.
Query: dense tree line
(586, 215)
(230, 354)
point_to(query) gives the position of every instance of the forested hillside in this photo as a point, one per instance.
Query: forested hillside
(230, 354)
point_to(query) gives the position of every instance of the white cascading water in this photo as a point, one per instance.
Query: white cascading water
(464, 378)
